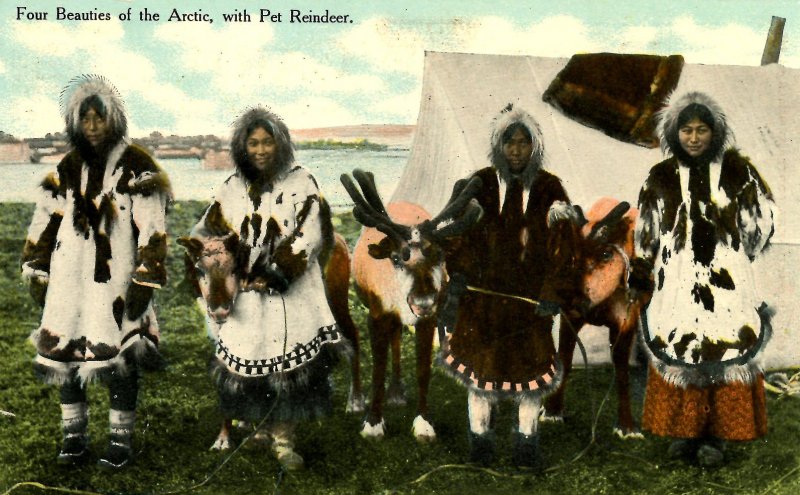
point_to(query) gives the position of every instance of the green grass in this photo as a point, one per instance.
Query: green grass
(330, 144)
(178, 420)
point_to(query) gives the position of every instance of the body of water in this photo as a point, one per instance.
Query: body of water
(190, 181)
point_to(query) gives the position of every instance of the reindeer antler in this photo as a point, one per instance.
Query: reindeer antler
(600, 229)
(370, 212)
(462, 209)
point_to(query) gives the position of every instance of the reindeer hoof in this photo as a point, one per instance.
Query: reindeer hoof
(628, 433)
(355, 404)
(423, 431)
(221, 444)
(373, 431)
(396, 395)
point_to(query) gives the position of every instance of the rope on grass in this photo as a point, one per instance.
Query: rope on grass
(36, 484)
(257, 428)
(466, 467)
(783, 385)
(780, 480)
(596, 413)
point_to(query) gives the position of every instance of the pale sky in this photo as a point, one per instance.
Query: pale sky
(195, 77)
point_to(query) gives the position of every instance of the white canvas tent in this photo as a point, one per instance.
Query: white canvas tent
(461, 93)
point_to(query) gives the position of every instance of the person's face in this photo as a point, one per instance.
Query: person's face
(517, 151)
(261, 148)
(695, 137)
(94, 127)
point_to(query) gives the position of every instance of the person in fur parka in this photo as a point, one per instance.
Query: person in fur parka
(94, 253)
(705, 215)
(499, 346)
(275, 351)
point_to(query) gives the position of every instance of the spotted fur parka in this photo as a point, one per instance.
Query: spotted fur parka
(284, 226)
(705, 324)
(96, 248)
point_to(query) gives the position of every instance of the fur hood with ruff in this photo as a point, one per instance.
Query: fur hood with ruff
(82, 87)
(243, 126)
(722, 136)
(508, 116)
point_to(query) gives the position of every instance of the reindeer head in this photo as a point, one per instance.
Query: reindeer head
(606, 250)
(212, 263)
(415, 251)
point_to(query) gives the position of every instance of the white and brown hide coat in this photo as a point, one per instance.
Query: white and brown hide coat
(499, 345)
(286, 226)
(90, 249)
(705, 324)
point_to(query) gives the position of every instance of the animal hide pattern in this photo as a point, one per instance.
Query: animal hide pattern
(722, 325)
(616, 93)
(283, 229)
(499, 345)
(90, 260)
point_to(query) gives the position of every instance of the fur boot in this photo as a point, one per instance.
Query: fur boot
(481, 448)
(283, 447)
(120, 446)
(74, 422)
(526, 451)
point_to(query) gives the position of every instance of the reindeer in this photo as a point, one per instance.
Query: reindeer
(214, 268)
(398, 267)
(605, 299)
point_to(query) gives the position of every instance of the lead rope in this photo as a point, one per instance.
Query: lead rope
(596, 411)
(255, 430)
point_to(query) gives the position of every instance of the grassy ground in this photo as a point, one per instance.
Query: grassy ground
(178, 421)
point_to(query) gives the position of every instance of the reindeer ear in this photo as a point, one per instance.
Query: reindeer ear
(381, 250)
(192, 245)
(231, 243)
(215, 223)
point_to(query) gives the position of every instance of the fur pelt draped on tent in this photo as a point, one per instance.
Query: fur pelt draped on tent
(616, 93)
(462, 92)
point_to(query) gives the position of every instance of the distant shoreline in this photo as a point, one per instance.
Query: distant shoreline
(369, 137)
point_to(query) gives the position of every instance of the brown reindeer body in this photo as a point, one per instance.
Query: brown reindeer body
(397, 298)
(213, 271)
(398, 266)
(604, 300)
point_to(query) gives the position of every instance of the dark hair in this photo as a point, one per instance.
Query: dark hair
(93, 102)
(696, 111)
(704, 115)
(259, 124)
(284, 156)
(95, 155)
(512, 129)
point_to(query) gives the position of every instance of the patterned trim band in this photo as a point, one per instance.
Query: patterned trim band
(466, 374)
(296, 357)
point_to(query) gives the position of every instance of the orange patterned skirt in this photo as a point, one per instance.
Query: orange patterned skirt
(733, 411)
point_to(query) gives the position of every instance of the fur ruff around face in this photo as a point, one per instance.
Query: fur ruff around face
(274, 125)
(508, 116)
(722, 136)
(74, 94)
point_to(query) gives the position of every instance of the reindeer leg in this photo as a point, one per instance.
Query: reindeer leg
(567, 338)
(337, 285)
(621, 342)
(355, 398)
(380, 331)
(423, 430)
(223, 441)
(396, 395)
